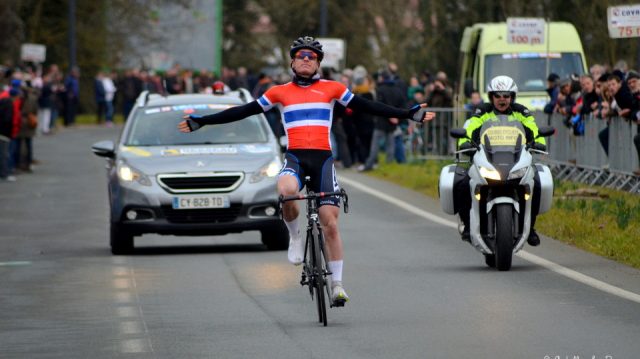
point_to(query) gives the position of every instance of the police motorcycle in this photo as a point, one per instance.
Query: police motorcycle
(501, 176)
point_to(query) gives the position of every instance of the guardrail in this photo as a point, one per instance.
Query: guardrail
(574, 158)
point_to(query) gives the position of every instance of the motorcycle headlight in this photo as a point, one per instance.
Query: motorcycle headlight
(519, 173)
(127, 173)
(489, 173)
(270, 170)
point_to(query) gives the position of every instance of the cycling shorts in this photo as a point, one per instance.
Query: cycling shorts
(318, 165)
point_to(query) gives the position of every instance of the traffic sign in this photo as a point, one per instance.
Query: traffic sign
(334, 52)
(33, 52)
(623, 21)
(525, 30)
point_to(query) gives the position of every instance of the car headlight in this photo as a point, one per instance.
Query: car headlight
(489, 173)
(270, 170)
(519, 173)
(127, 173)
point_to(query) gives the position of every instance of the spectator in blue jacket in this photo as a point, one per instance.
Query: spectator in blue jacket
(552, 90)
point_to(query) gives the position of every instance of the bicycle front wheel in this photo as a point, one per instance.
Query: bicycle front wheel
(318, 269)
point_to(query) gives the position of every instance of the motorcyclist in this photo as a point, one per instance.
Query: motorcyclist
(502, 91)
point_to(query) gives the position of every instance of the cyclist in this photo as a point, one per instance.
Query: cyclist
(306, 104)
(502, 91)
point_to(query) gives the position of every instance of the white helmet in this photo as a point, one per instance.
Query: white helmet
(502, 84)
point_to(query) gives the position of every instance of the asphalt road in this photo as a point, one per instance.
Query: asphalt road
(416, 290)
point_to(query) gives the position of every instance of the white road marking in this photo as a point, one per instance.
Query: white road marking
(134, 346)
(557, 268)
(14, 264)
(123, 297)
(120, 271)
(131, 327)
(127, 312)
(130, 309)
(121, 283)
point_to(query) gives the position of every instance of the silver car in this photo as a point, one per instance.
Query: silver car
(220, 179)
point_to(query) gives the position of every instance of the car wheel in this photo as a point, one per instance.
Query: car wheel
(276, 238)
(121, 240)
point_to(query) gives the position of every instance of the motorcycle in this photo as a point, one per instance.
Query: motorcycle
(502, 186)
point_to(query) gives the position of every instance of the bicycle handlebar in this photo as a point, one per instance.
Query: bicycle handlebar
(312, 195)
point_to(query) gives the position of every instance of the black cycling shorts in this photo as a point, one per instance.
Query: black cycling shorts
(318, 165)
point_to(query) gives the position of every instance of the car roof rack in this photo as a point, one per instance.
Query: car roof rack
(244, 94)
(145, 96)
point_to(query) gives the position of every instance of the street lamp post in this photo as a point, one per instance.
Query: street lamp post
(72, 34)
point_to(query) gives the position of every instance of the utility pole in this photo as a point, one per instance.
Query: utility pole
(217, 61)
(72, 34)
(323, 18)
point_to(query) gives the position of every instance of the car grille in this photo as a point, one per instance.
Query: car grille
(206, 215)
(214, 182)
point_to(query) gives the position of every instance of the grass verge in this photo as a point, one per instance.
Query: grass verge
(607, 224)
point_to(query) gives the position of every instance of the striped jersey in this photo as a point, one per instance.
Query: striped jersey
(307, 112)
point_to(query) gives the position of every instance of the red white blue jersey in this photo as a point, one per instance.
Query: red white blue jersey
(307, 112)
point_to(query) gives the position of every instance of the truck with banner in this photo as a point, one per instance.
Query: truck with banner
(526, 49)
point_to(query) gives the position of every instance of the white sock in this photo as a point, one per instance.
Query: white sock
(293, 227)
(336, 270)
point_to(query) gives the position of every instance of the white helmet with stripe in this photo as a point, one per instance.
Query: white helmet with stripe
(502, 84)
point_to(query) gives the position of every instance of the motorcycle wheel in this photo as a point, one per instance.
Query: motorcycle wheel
(504, 236)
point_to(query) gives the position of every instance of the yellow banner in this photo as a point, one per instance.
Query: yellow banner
(503, 136)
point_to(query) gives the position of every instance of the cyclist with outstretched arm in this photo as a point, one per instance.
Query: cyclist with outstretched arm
(306, 104)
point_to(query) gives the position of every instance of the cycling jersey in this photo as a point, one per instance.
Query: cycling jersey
(307, 112)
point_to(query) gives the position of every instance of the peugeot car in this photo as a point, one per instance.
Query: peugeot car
(217, 180)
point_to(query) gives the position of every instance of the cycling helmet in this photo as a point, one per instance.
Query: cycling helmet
(306, 42)
(502, 84)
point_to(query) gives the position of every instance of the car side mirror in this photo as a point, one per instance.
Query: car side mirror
(546, 131)
(458, 133)
(104, 149)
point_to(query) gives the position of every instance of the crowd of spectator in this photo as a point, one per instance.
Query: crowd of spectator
(606, 94)
(31, 102)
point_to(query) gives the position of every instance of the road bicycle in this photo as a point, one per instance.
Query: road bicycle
(314, 269)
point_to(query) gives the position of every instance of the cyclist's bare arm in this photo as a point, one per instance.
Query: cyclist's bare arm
(236, 113)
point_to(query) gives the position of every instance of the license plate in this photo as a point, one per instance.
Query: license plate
(200, 201)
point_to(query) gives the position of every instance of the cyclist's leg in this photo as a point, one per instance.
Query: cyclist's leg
(289, 184)
(329, 210)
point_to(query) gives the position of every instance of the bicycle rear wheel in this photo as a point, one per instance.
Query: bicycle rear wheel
(318, 269)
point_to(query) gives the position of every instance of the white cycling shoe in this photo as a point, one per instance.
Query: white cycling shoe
(338, 295)
(296, 250)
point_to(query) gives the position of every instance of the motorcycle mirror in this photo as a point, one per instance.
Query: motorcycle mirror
(546, 131)
(458, 133)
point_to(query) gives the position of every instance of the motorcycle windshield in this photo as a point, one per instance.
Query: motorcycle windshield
(502, 141)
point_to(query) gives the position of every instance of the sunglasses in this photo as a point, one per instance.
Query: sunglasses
(300, 55)
(502, 95)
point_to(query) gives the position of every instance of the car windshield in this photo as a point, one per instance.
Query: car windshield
(158, 126)
(529, 70)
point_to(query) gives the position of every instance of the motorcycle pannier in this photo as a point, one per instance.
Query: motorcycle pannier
(546, 188)
(450, 180)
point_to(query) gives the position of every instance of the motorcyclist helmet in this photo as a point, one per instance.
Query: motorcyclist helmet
(306, 42)
(502, 84)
